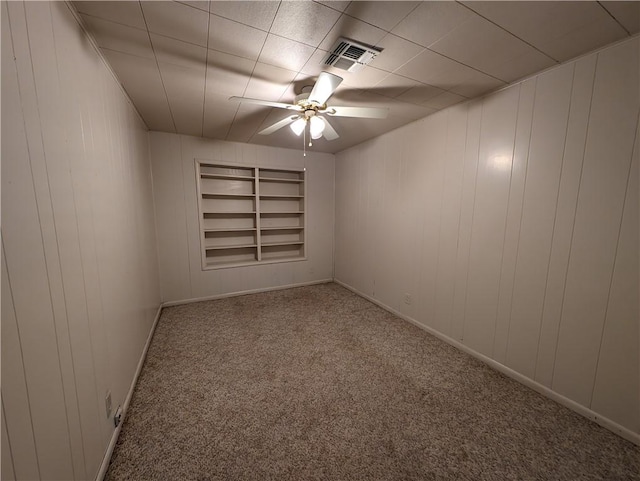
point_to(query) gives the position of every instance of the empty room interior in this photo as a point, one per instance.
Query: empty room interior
(329, 240)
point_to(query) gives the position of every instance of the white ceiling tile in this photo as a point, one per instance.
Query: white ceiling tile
(434, 69)
(141, 79)
(177, 20)
(346, 96)
(444, 100)
(217, 120)
(420, 93)
(339, 5)
(121, 38)
(394, 85)
(366, 78)
(126, 13)
(482, 45)
(199, 4)
(285, 53)
(353, 29)
(474, 83)
(315, 65)
(255, 14)
(269, 82)
(177, 52)
(185, 92)
(396, 107)
(396, 52)
(305, 22)
(235, 38)
(584, 39)
(247, 121)
(227, 75)
(383, 14)
(627, 13)
(562, 30)
(431, 21)
(411, 80)
(521, 66)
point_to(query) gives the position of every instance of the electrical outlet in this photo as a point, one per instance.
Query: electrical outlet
(407, 298)
(117, 416)
(107, 404)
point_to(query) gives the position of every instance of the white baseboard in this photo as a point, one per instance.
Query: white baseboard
(530, 383)
(243, 293)
(114, 437)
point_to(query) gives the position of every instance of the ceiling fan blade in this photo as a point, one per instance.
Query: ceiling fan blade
(278, 125)
(329, 132)
(326, 84)
(362, 112)
(268, 103)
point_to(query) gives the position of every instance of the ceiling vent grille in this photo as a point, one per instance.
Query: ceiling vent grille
(350, 55)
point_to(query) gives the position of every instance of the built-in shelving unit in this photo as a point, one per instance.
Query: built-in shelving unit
(250, 215)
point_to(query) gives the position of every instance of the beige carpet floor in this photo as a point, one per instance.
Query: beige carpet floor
(316, 383)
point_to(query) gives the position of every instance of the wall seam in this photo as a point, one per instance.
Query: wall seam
(24, 373)
(615, 256)
(573, 227)
(4, 416)
(473, 213)
(555, 219)
(81, 257)
(506, 222)
(26, 139)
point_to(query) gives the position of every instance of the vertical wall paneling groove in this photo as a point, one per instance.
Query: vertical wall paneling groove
(15, 395)
(449, 219)
(528, 229)
(170, 205)
(616, 387)
(469, 175)
(489, 219)
(546, 148)
(526, 101)
(431, 169)
(77, 230)
(27, 271)
(611, 132)
(71, 224)
(8, 472)
(565, 213)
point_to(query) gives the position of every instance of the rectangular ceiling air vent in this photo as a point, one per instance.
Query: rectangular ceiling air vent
(350, 55)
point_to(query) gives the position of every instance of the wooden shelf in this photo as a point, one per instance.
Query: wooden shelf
(260, 237)
(249, 212)
(276, 179)
(297, 227)
(283, 212)
(282, 243)
(232, 229)
(239, 246)
(269, 196)
(207, 194)
(225, 177)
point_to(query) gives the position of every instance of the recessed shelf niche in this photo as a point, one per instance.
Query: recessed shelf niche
(250, 215)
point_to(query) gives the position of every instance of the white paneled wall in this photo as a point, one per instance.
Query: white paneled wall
(511, 222)
(80, 286)
(174, 187)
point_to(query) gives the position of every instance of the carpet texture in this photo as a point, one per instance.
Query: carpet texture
(316, 383)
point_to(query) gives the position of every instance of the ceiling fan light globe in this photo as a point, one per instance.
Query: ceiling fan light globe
(316, 127)
(298, 126)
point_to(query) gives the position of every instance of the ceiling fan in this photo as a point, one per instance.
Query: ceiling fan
(311, 110)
